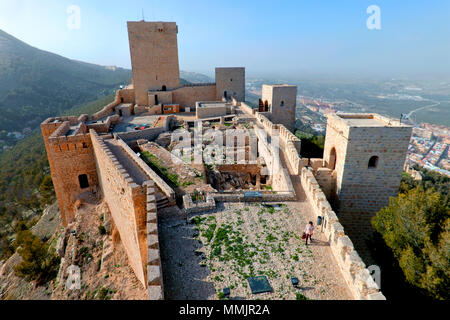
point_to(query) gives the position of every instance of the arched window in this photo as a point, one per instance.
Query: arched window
(225, 94)
(282, 103)
(373, 162)
(83, 180)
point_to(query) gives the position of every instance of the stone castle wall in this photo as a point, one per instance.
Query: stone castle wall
(127, 202)
(352, 267)
(187, 96)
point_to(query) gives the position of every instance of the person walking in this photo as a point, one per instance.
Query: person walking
(309, 231)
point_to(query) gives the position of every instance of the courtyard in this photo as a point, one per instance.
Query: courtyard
(222, 248)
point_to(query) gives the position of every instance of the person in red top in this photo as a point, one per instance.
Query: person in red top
(309, 231)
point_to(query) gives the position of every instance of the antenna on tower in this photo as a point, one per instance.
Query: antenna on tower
(143, 18)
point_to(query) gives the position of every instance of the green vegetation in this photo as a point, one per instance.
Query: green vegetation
(412, 238)
(36, 84)
(101, 229)
(312, 145)
(39, 262)
(299, 296)
(25, 182)
(430, 179)
(187, 183)
(416, 227)
(155, 164)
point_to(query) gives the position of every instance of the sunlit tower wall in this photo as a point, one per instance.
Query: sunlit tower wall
(154, 57)
(281, 101)
(367, 152)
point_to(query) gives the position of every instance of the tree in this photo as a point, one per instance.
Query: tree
(416, 226)
(47, 190)
(38, 263)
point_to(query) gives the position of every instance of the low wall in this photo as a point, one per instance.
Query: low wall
(147, 134)
(267, 196)
(247, 109)
(188, 95)
(108, 109)
(103, 127)
(190, 207)
(164, 187)
(355, 273)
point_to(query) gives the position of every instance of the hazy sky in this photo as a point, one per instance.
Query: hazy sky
(285, 37)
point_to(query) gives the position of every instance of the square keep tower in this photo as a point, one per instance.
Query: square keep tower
(154, 57)
(367, 151)
(281, 102)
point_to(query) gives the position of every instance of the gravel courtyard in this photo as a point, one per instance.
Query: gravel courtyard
(223, 248)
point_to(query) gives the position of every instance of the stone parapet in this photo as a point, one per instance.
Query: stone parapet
(153, 268)
(162, 185)
(202, 206)
(357, 276)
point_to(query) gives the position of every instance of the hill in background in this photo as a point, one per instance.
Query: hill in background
(35, 84)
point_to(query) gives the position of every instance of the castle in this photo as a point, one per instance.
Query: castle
(361, 168)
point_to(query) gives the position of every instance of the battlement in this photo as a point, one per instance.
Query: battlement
(144, 27)
(364, 120)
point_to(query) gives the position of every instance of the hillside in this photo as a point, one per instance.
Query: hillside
(35, 84)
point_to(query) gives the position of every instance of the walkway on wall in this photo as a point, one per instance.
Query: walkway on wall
(135, 172)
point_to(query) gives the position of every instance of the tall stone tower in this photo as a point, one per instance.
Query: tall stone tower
(367, 152)
(230, 83)
(281, 101)
(72, 162)
(154, 57)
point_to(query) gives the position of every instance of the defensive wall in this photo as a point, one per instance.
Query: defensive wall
(133, 209)
(352, 267)
(319, 183)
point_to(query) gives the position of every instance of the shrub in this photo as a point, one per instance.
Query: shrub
(38, 262)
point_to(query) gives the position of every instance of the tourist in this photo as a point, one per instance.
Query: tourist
(309, 231)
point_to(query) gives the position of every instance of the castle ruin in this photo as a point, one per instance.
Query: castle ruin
(260, 157)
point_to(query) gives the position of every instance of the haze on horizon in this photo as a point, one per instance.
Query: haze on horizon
(278, 38)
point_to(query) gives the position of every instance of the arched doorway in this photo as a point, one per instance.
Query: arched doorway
(260, 106)
(225, 95)
(332, 159)
(164, 88)
(266, 106)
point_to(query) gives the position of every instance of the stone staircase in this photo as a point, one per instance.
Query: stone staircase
(161, 201)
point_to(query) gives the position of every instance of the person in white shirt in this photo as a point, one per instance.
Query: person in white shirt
(309, 231)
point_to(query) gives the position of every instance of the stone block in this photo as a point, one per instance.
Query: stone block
(152, 228)
(153, 275)
(152, 241)
(153, 257)
(155, 293)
